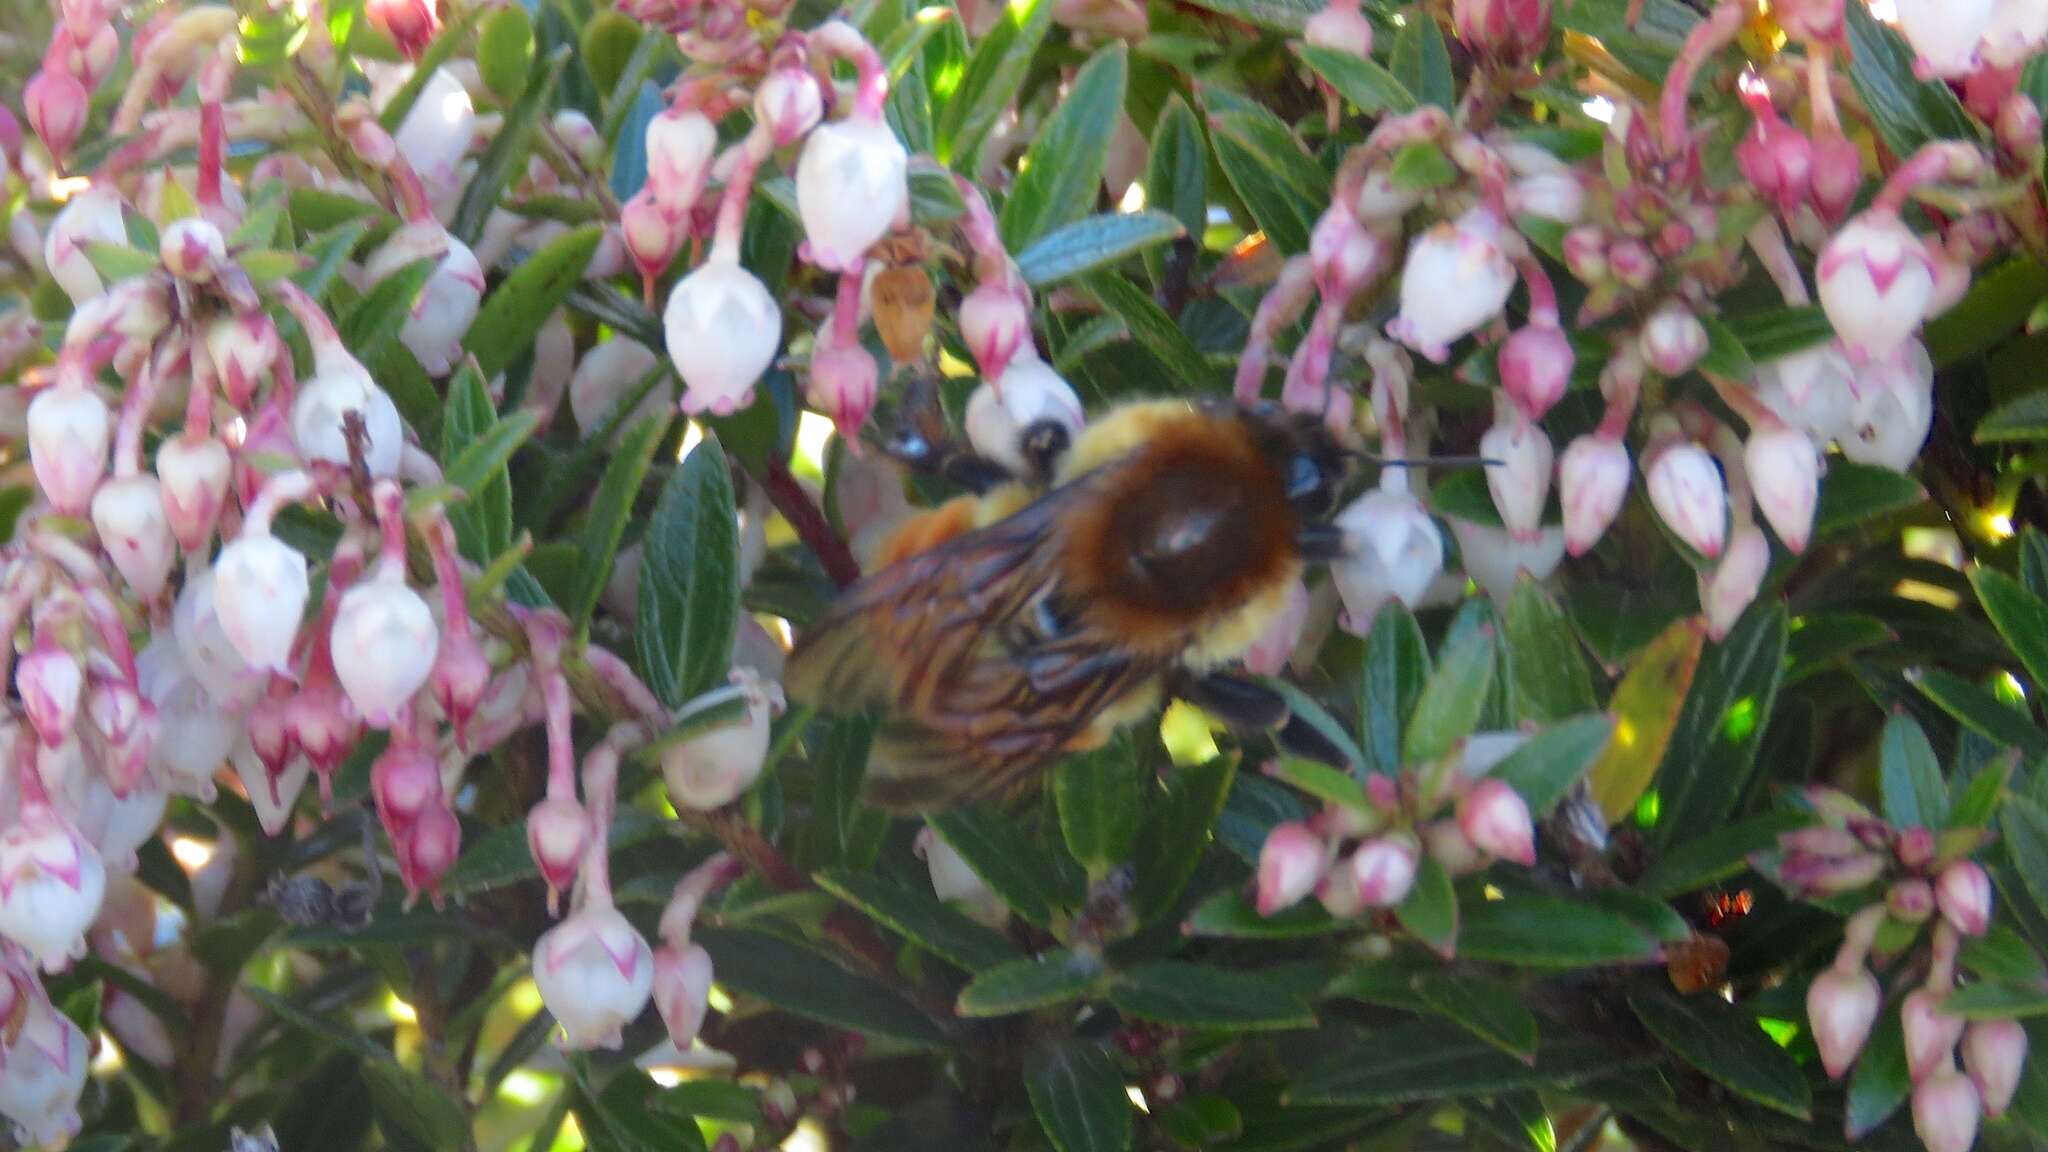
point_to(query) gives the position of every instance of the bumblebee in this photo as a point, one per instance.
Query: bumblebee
(1034, 617)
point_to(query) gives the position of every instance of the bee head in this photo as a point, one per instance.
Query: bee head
(1311, 463)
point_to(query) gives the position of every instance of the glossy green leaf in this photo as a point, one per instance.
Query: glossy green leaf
(500, 858)
(1422, 62)
(1779, 332)
(2023, 827)
(504, 51)
(1183, 995)
(1545, 769)
(1097, 242)
(1997, 1000)
(1435, 1061)
(1906, 112)
(1277, 15)
(2019, 616)
(1027, 985)
(2002, 953)
(1430, 913)
(414, 1105)
(483, 459)
(1276, 178)
(2016, 421)
(689, 580)
(374, 322)
(1061, 176)
(503, 160)
(483, 522)
(1550, 678)
(1852, 495)
(1880, 1082)
(918, 915)
(1486, 1008)
(1370, 88)
(1177, 833)
(1332, 786)
(1451, 702)
(1712, 753)
(1980, 711)
(1997, 306)
(1397, 665)
(1232, 915)
(1009, 860)
(1725, 1043)
(1909, 776)
(993, 75)
(844, 832)
(1177, 167)
(798, 980)
(343, 1036)
(119, 261)
(1078, 1094)
(610, 511)
(1711, 855)
(1543, 932)
(1422, 167)
(1100, 799)
(1152, 328)
(710, 1100)
(1646, 707)
(513, 314)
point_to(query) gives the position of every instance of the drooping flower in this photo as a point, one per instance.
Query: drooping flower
(595, 973)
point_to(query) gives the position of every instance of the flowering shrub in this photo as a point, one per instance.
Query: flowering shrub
(460, 408)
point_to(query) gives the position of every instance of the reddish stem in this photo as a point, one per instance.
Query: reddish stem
(1707, 38)
(810, 524)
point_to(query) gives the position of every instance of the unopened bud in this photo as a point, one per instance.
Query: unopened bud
(1784, 473)
(1536, 367)
(1674, 340)
(1494, 817)
(1384, 868)
(1963, 892)
(193, 250)
(1687, 491)
(1291, 863)
(1841, 1007)
(1727, 592)
(1994, 1053)
(1931, 1034)
(1947, 1111)
(1910, 901)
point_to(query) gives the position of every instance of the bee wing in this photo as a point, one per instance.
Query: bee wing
(976, 695)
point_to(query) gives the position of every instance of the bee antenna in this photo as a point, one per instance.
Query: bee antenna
(1432, 461)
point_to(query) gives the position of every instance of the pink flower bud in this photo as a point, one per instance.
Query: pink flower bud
(653, 237)
(272, 791)
(69, 430)
(1994, 1054)
(1910, 901)
(1593, 479)
(50, 682)
(56, 105)
(1384, 869)
(1945, 35)
(852, 182)
(1689, 496)
(595, 973)
(270, 729)
(1521, 483)
(1784, 472)
(1347, 256)
(1837, 176)
(842, 386)
(1508, 31)
(713, 770)
(194, 475)
(427, 850)
(405, 781)
(558, 834)
(193, 250)
(124, 730)
(1841, 1007)
(1946, 1111)
(1340, 27)
(1963, 893)
(1674, 339)
(1777, 159)
(45, 1075)
(1876, 284)
(1536, 367)
(995, 321)
(51, 886)
(1585, 254)
(1809, 21)
(461, 676)
(682, 991)
(788, 104)
(243, 348)
(411, 24)
(1010, 420)
(1931, 1035)
(1456, 279)
(1291, 863)
(1393, 551)
(1495, 818)
(1632, 263)
(1916, 847)
(680, 143)
(722, 329)
(260, 589)
(384, 643)
(1727, 592)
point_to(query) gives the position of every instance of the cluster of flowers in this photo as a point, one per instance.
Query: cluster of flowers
(1928, 878)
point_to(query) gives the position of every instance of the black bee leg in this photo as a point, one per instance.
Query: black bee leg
(949, 460)
(1298, 737)
(1042, 444)
(1248, 706)
(1320, 542)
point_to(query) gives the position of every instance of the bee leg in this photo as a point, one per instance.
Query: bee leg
(949, 460)
(1246, 705)
(1320, 542)
(1298, 737)
(1042, 444)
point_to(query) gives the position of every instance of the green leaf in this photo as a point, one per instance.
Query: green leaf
(1009, 860)
(1531, 931)
(1332, 786)
(1431, 1061)
(1997, 1000)
(1422, 62)
(1397, 665)
(1880, 1082)
(1776, 333)
(1725, 1043)
(1277, 15)
(345, 1037)
(2024, 419)
(1094, 243)
(1430, 913)
(1078, 1094)
(414, 1105)
(514, 313)
(1716, 854)
(1201, 1121)
(1910, 777)
(1177, 168)
(1852, 495)
(504, 159)
(1305, 708)
(2019, 616)
(483, 523)
(119, 261)
(453, 35)
(1726, 355)
(919, 916)
(1545, 769)
(1100, 799)
(375, 320)
(504, 51)
(844, 832)
(1550, 678)
(1980, 712)
(1451, 702)
(710, 1100)
(327, 253)
(2002, 953)
(1177, 833)
(1906, 112)
(1976, 802)
(1712, 753)
(1422, 167)
(1183, 995)
(994, 73)
(798, 980)
(1279, 182)
(1027, 985)
(500, 858)
(1231, 914)
(1370, 88)
(1152, 328)
(623, 1118)
(1061, 176)
(1998, 304)
(1488, 1009)
(610, 511)
(2023, 824)
(483, 459)
(1646, 706)
(689, 580)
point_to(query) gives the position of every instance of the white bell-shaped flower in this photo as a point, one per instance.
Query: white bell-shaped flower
(1457, 278)
(43, 1076)
(51, 885)
(852, 182)
(341, 388)
(260, 590)
(69, 431)
(1876, 284)
(91, 217)
(595, 973)
(1006, 419)
(722, 329)
(128, 514)
(196, 732)
(1894, 411)
(1946, 34)
(1393, 550)
(714, 769)
(384, 643)
(448, 303)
